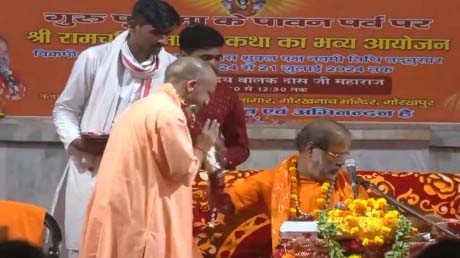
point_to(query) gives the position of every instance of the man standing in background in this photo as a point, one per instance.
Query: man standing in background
(206, 43)
(104, 81)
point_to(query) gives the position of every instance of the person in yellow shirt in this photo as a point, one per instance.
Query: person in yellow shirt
(302, 185)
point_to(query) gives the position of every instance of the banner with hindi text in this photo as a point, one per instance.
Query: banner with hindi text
(356, 60)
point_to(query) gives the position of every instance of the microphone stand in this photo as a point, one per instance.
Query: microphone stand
(404, 207)
(215, 175)
(355, 188)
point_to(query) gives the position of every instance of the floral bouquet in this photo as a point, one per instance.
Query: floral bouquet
(365, 228)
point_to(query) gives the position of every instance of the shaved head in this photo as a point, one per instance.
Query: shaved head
(323, 146)
(187, 68)
(194, 79)
(321, 132)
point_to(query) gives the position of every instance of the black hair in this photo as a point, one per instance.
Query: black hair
(157, 13)
(199, 36)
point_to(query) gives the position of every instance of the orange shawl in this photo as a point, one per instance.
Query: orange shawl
(279, 210)
(23, 221)
(280, 196)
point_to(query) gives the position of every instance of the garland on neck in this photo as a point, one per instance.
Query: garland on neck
(322, 202)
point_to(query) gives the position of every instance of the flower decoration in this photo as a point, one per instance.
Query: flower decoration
(368, 224)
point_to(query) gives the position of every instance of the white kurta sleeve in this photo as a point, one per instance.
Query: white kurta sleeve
(69, 107)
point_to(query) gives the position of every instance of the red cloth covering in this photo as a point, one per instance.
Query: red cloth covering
(428, 192)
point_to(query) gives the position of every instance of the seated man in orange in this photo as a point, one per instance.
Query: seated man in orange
(303, 184)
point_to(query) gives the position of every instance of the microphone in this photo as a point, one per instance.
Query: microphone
(350, 164)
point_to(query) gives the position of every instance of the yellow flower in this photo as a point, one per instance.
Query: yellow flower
(337, 213)
(385, 230)
(365, 241)
(376, 213)
(292, 210)
(371, 202)
(320, 201)
(294, 196)
(325, 187)
(348, 201)
(355, 256)
(354, 231)
(391, 215)
(382, 203)
(378, 240)
(352, 207)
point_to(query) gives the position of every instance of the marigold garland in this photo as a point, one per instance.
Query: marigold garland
(370, 221)
(320, 203)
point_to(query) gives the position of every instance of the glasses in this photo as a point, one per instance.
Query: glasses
(331, 154)
(337, 155)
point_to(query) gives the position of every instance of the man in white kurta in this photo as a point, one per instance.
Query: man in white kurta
(106, 79)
